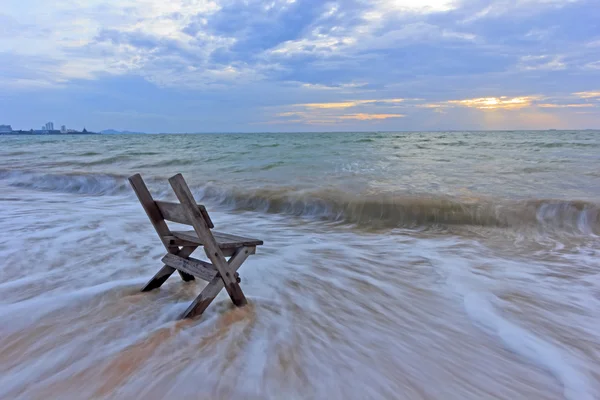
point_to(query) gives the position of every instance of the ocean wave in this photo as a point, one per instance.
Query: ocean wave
(91, 184)
(169, 163)
(262, 146)
(363, 210)
(391, 211)
(272, 165)
(106, 161)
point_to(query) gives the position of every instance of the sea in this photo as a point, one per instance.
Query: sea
(395, 265)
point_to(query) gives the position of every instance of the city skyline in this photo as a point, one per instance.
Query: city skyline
(47, 127)
(214, 66)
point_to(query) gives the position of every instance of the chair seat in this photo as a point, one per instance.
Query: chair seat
(224, 240)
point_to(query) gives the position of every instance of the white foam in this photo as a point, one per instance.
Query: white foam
(481, 306)
(481, 310)
(37, 307)
(60, 225)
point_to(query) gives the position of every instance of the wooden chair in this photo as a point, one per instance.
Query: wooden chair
(181, 244)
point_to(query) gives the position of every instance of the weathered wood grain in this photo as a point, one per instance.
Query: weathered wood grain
(156, 218)
(175, 241)
(227, 252)
(211, 247)
(215, 285)
(217, 245)
(224, 240)
(166, 271)
(174, 212)
(198, 268)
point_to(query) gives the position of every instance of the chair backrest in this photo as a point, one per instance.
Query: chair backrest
(158, 211)
(174, 212)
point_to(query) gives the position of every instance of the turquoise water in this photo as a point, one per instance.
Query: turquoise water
(396, 265)
(503, 164)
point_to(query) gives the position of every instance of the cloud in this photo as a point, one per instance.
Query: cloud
(543, 62)
(494, 103)
(338, 87)
(88, 39)
(198, 43)
(322, 118)
(25, 84)
(492, 9)
(516, 103)
(383, 7)
(588, 95)
(348, 104)
(338, 112)
(550, 105)
(368, 117)
(239, 63)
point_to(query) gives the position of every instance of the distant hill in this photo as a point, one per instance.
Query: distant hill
(115, 132)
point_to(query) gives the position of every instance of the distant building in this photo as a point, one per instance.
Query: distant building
(63, 129)
(5, 128)
(49, 126)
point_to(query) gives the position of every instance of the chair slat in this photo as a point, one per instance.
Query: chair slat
(174, 212)
(198, 268)
(165, 272)
(224, 240)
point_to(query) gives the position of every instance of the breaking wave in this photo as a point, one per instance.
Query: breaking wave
(391, 210)
(91, 184)
(369, 211)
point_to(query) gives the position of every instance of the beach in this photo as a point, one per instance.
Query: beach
(395, 265)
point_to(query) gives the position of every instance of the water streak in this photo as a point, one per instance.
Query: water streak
(465, 268)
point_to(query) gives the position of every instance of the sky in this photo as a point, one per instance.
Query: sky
(300, 65)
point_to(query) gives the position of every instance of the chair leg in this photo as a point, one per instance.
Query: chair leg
(205, 298)
(157, 280)
(160, 226)
(216, 285)
(165, 272)
(186, 277)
